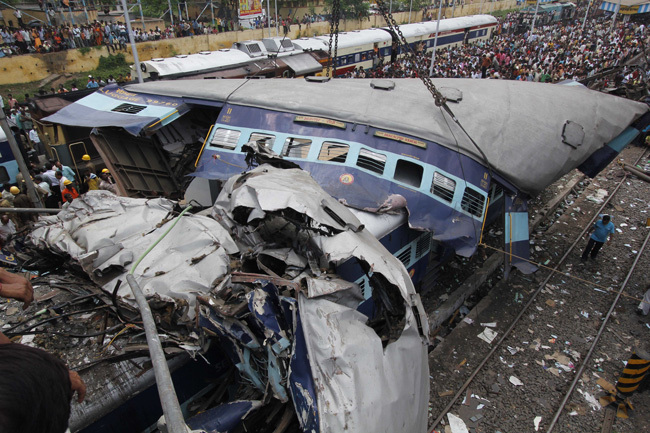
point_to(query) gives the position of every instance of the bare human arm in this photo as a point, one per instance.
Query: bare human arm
(19, 288)
(16, 287)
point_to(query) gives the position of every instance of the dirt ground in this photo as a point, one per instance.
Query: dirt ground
(529, 374)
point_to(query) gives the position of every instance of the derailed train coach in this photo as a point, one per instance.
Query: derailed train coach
(254, 279)
(423, 181)
(381, 146)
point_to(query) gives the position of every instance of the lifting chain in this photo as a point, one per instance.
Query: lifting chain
(423, 74)
(334, 32)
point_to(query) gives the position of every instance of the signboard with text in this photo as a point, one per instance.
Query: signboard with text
(249, 7)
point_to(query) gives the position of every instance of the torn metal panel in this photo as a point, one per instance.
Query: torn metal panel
(224, 418)
(270, 189)
(362, 386)
(291, 326)
(103, 233)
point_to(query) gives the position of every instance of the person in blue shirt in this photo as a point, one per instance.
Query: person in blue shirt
(603, 229)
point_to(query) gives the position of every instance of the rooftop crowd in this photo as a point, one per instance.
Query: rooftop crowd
(554, 52)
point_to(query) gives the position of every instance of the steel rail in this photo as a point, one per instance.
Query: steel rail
(528, 304)
(583, 365)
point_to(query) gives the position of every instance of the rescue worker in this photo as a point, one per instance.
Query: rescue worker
(69, 193)
(89, 165)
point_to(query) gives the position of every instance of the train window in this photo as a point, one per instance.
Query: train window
(405, 256)
(225, 138)
(496, 192)
(296, 147)
(4, 175)
(371, 161)
(269, 140)
(443, 187)
(333, 152)
(357, 58)
(408, 173)
(472, 202)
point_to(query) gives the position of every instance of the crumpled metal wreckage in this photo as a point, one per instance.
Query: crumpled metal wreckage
(257, 277)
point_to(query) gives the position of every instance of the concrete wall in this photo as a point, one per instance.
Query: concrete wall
(34, 67)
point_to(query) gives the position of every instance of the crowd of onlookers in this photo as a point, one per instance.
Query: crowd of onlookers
(554, 52)
(23, 38)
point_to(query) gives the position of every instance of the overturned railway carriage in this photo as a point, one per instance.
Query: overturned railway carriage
(377, 145)
(420, 182)
(278, 57)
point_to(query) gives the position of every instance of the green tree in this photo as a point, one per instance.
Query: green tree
(350, 8)
(404, 5)
(155, 8)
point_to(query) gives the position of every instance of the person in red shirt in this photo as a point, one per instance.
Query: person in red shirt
(69, 193)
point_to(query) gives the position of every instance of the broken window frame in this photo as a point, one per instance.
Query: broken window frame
(302, 147)
(255, 136)
(333, 147)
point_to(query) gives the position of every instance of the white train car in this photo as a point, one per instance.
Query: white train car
(452, 32)
(360, 48)
(205, 61)
(357, 48)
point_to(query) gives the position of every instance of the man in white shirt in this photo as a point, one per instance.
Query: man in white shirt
(7, 228)
(36, 142)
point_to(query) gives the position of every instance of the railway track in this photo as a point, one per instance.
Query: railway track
(544, 320)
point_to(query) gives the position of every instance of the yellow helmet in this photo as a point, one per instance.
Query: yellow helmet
(86, 157)
(14, 190)
(105, 170)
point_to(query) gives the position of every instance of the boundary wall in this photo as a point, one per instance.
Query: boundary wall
(35, 67)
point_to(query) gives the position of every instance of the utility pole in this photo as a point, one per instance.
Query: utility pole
(614, 18)
(31, 190)
(410, 9)
(71, 16)
(134, 50)
(532, 29)
(141, 15)
(85, 11)
(435, 41)
(268, 16)
(584, 22)
(171, 12)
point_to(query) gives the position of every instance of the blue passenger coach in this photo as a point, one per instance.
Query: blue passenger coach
(364, 165)
(8, 164)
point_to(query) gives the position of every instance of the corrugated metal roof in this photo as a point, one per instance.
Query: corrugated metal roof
(518, 125)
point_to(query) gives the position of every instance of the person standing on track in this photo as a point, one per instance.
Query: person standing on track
(602, 230)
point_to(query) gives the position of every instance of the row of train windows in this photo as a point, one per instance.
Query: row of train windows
(406, 171)
(354, 58)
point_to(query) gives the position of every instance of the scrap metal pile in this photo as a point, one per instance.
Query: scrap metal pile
(256, 275)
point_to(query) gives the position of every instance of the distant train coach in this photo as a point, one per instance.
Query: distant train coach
(8, 164)
(283, 57)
